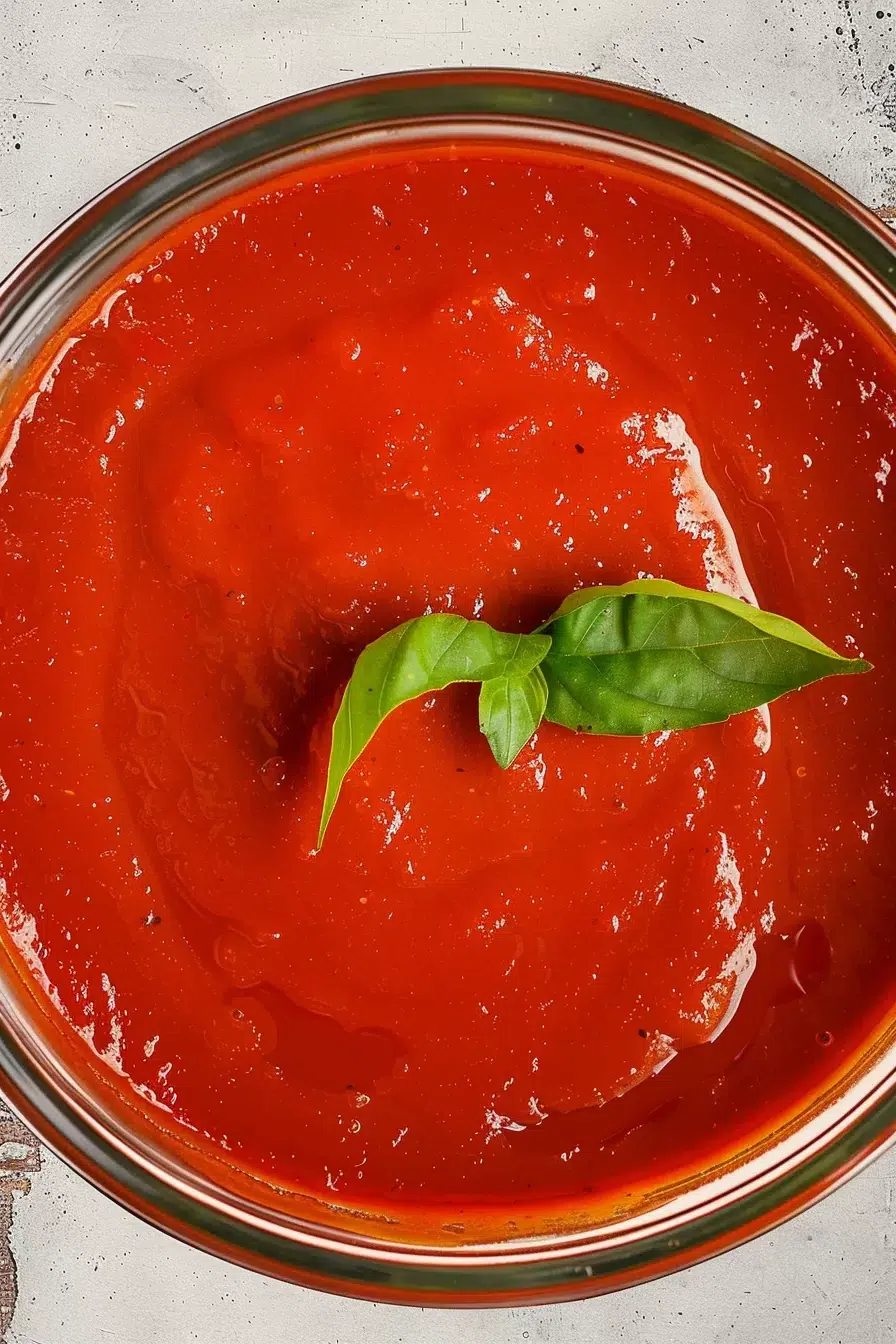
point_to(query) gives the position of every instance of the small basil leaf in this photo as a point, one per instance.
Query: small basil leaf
(510, 710)
(651, 655)
(422, 655)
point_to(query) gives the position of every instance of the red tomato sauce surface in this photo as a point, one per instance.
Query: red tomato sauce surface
(470, 381)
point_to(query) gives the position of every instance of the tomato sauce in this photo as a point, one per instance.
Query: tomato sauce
(452, 380)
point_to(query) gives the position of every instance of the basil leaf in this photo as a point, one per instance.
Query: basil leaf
(425, 654)
(510, 710)
(651, 655)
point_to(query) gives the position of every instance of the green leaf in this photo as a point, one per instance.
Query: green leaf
(510, 710)
(422, 655)
(651, 655)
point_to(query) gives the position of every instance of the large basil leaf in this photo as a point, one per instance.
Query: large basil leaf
(650, 655)
(422, 655)
(510, 710)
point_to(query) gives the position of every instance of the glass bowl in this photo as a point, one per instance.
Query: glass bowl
(112, 1143)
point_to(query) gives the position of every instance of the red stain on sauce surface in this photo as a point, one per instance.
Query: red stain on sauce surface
(464, 381)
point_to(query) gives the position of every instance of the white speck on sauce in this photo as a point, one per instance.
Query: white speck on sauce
(881, 476)
(115, 426)
(497, 1124)
(762, 738)
(394, 819)
(806, 332)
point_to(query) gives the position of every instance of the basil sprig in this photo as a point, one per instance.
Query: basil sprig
(636, 658)
(426, 654)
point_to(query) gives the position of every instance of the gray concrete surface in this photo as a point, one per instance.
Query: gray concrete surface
(88, 89)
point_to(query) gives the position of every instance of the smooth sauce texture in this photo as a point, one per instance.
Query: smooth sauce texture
(466, 382)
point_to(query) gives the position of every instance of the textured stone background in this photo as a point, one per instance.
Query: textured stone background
(90, 88)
